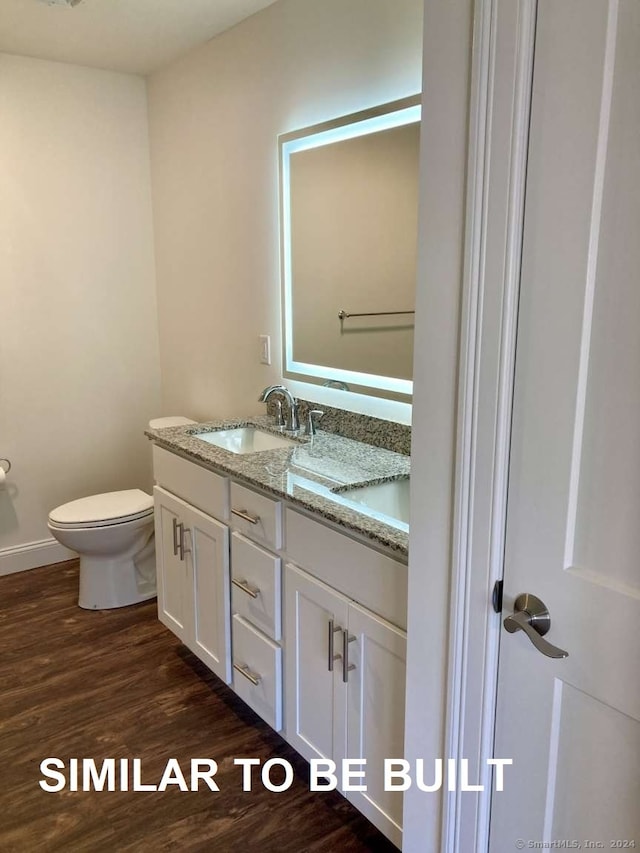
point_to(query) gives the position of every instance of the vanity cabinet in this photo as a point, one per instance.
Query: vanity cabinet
(345, 670)
(317, 649)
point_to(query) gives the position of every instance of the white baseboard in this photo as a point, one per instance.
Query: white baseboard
(20, 558)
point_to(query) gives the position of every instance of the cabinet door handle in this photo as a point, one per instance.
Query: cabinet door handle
(242, 513)
(346, 666)
(175, 536)
(253, 677)
(178, 538)
(181, 540)
(332, 656)
(245, 586)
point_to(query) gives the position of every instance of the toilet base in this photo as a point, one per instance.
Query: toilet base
(107, 582)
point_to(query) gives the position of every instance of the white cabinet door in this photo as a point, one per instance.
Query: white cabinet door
(192, 559)
(315, 692)
(207, 556)
(172, 572)
(375, 713)
(360, 717)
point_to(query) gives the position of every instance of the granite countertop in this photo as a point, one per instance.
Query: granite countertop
(306, 474)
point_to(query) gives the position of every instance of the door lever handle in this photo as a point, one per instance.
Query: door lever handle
(532, 617)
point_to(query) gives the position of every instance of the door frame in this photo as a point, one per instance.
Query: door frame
(480, 329)
(500, 104)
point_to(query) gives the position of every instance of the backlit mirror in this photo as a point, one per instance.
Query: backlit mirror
(349, 209)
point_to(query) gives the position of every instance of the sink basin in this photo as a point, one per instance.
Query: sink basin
(245, 440)
(386, 502)
(388, 499)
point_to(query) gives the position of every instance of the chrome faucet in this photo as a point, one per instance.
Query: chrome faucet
(293, 419)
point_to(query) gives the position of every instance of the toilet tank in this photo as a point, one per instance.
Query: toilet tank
(176, 420)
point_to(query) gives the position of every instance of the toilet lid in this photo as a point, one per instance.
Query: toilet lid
(98, 510)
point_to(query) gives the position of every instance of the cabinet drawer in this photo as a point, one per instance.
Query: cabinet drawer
(198, 486)
(361, 573)
(256, 585)
(256, 516)
(257, 659)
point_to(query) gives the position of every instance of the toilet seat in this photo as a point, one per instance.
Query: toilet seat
(102, 510)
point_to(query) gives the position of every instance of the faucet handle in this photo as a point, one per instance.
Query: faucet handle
(313, 417)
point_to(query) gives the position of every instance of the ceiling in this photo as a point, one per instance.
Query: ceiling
(136, 36)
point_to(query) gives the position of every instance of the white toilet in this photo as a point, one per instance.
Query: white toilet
(113, 535)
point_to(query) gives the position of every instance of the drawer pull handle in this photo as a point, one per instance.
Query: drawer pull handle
(242, 513)
(346, 666)
(332, 656)
(253, 677)
(245, 586)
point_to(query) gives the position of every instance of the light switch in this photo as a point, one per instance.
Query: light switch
(265, 349)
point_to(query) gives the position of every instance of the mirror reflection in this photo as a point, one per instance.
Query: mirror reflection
(349, 227)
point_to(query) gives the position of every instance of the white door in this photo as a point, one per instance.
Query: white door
(572, 726)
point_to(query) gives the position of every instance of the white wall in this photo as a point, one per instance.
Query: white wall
(79, 374)
(215, 116)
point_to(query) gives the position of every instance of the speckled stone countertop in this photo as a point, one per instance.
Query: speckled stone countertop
(304, 473)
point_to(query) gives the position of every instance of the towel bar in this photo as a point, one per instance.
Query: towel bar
(342, 315)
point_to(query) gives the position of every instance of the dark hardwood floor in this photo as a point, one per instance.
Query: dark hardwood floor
(117, 684)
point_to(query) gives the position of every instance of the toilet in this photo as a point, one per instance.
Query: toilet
(113, 535)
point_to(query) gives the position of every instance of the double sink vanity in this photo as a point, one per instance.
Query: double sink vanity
(282, 564)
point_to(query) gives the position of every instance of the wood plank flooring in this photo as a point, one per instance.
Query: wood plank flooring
(117, 684)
